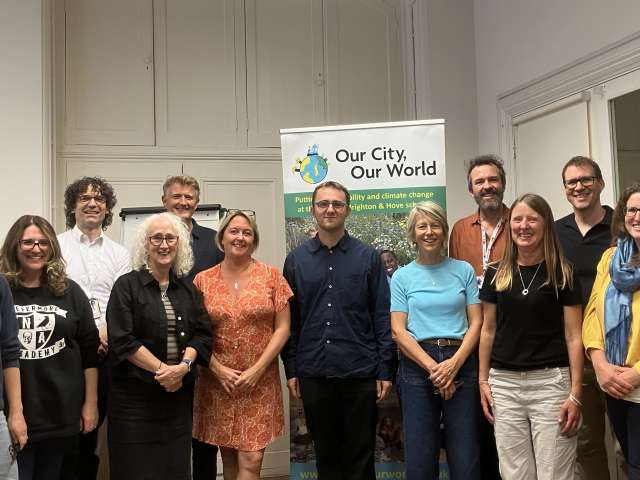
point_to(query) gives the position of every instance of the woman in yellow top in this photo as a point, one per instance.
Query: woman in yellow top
(611, 328)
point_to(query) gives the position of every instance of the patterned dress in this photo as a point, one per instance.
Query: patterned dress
(242, 327)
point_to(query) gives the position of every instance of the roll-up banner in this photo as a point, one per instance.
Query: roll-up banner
(387, 168)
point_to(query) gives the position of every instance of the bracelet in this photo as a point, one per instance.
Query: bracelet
(159, 366)
(575, 400)
(481, 382)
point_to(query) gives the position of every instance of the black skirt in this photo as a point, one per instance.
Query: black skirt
(149, 431)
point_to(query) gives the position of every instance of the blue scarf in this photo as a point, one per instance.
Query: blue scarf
(617, 302)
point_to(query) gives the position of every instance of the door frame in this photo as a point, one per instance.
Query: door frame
(590, 71)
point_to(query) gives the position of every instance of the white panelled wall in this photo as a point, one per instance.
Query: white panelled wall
(24, 143)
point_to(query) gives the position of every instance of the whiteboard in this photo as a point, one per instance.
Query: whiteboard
(207, 215)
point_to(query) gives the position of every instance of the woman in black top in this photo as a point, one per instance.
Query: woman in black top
(157, 329)
(59, 344)
(531, 338)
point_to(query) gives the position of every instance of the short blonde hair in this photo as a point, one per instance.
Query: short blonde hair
(426, 209)
(184, 255)
(225, 223)
(186, 180)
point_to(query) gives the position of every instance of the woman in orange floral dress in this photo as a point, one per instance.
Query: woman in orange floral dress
(238, 400)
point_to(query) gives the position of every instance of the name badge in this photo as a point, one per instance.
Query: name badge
(95, 308)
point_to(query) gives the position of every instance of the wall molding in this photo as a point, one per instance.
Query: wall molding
(129, 154)
(615, 60)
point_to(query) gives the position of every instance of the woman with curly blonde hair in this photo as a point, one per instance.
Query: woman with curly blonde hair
(157, 328)
(58, 342)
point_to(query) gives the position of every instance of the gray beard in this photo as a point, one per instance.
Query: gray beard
(490, 205)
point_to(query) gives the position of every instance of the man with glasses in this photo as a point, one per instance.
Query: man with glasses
(339, 356)
(180, 196)
(94, 262)
(584, 235)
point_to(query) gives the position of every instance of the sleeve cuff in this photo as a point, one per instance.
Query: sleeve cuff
(595, 345)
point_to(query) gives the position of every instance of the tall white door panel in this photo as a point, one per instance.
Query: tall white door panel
(614, 162)
(109, 72)
(363, 58)
(197, 72)
(544, 141)
(285, 74)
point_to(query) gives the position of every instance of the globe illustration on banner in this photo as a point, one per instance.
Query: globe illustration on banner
(313, 168)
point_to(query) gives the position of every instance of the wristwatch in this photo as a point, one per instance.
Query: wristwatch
(188, 362)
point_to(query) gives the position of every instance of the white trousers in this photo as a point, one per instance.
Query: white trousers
(528, 436)
(8, 466)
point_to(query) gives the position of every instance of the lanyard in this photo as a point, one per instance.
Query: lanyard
(487, 247)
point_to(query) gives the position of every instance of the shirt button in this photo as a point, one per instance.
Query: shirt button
(330, 268)
(182, 334)
(179, 317)
(330, 286)
(330, 251)
(328, 341)
(328, 323)
(328, 304)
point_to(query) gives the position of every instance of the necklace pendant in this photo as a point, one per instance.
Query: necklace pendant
(235, 285)
(525, 291)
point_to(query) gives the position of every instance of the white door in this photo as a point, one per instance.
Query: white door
(618, 151)
(544, 140)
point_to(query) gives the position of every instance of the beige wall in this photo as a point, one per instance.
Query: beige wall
(446, 84)
(518, 41)
(21, 117)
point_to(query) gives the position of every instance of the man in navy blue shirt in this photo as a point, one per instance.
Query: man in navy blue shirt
(339, 356)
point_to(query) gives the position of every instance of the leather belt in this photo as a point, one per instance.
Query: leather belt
(443, 342)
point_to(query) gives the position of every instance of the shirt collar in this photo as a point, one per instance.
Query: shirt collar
(146, 278)
(82, 238)
(570, 220)
(475, 218)
(314, 244)
(195, 229)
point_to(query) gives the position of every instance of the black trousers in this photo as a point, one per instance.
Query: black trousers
(205, 466)
(82, 462)
(42, 460)
(341, 416)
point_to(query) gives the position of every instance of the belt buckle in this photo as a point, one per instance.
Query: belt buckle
(445, 342)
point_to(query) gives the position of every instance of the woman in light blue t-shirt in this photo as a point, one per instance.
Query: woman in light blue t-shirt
(436, 319)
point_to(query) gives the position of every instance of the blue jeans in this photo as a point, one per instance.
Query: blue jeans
(625, 418)
(423, 410)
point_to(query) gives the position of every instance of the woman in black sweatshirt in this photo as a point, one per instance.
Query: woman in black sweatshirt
(58, 347)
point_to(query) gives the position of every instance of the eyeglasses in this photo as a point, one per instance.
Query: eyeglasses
(631, 211)
(84, 199)
(248, 213)
(585, 181)
(30, 244)
(156, 240)
(325, 204)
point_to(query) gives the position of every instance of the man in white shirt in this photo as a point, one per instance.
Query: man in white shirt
(94, 261)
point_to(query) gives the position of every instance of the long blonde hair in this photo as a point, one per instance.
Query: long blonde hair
(559, 271)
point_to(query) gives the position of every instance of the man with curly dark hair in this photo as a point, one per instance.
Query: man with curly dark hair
(94, 261)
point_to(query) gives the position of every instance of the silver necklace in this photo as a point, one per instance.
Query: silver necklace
(525, 290)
